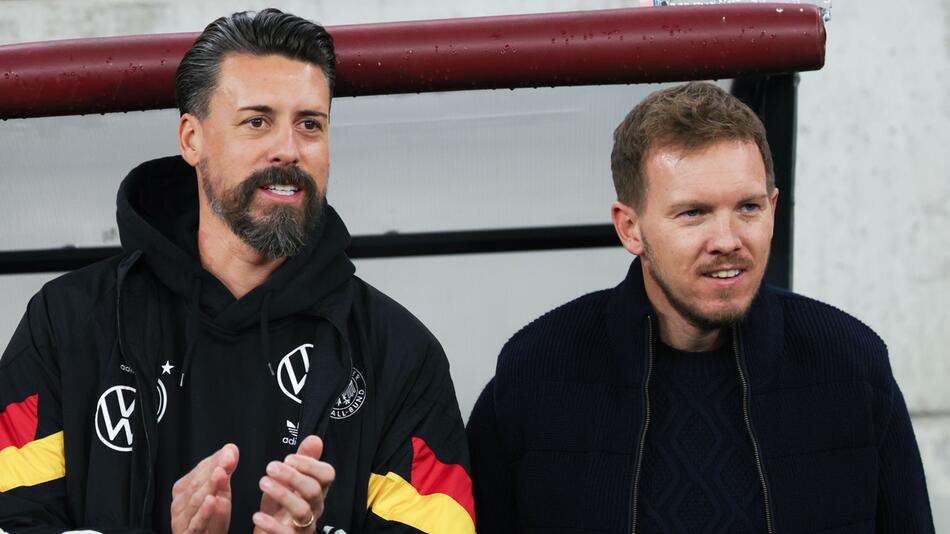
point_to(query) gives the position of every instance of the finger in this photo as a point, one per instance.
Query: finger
(199, 522)
(294, 504)
(267, 523)
(211, 476)
(220, 479)
(213, 515)
(194, 502)
(311, 446)
(304, 485)
(208, 474)
(221, 515)
(220, 484)
(227, 457)
(321, 471)
(188, 482)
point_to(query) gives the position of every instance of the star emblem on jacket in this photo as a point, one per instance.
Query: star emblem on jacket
(167, 368)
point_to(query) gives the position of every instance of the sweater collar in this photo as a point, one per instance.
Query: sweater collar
(760, 332)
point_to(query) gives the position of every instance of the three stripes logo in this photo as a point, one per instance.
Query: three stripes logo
(293, 430)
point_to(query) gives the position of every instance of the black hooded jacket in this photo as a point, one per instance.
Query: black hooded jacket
(123, 375)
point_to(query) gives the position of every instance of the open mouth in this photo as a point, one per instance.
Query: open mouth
(282, 190)
(724, 273)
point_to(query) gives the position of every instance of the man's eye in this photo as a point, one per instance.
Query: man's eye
(689, 214)
(256, 122)
(310, 124)
(750, 207)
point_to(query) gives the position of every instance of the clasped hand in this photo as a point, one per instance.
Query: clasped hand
(293, 492)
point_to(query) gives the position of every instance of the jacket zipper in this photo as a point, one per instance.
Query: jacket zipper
(748, 425)
(635, 490)
(148, 456)
(138, 382)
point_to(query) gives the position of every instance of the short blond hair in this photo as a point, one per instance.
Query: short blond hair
(690, 117)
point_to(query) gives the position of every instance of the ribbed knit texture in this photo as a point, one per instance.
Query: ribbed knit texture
(555, 436)
(699, 472)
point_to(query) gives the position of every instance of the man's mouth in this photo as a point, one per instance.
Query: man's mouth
(282, 190)
(725, 273)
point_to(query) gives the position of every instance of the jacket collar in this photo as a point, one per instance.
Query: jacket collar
(627, 310)
(762, 337)
(761, 332)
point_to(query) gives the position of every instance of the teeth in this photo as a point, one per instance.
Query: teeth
(285, 190)
(725, 274)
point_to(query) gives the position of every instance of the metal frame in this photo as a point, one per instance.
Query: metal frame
(775, 100)
(389, 245)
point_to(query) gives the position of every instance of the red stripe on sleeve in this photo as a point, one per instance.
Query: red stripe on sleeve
(18, 423)
(429, 476)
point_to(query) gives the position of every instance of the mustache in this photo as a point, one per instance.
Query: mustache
(293, 175)
(733, 261)
(243, 194)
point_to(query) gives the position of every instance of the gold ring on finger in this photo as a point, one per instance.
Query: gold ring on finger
(305, 524)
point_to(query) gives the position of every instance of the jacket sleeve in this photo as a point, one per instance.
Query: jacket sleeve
(32, 459)
(420, 476)
(492, 476)
(903, 505)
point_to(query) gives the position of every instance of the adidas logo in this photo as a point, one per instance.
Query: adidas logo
(292, 429)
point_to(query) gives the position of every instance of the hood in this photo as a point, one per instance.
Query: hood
(157, 214)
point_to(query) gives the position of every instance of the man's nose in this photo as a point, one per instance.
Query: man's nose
(725, 238)
(285, 149)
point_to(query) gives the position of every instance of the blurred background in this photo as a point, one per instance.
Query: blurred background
(872, 197)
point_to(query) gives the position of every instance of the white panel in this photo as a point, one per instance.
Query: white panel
(406, 163)
(59, 175)
(484, 159)
(17, 291)
(473, 303)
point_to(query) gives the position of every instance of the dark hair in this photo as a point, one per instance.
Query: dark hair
(261, 33)
(690, 117)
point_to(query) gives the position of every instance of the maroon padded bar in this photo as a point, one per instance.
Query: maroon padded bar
(616, 46)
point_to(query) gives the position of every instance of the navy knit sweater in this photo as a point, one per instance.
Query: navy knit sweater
(556, 437)
(699, 471)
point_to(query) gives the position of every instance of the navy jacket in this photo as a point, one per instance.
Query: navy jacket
(556, 437)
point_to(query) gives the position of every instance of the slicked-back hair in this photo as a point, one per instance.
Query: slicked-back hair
(261, 33)
(688, 117)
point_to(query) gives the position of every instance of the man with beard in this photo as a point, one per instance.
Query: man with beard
(691, 398)
(228, 367)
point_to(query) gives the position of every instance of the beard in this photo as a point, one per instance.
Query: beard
(704, 320)
(280, 230)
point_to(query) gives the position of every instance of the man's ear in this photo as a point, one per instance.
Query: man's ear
(189, 138)
(627, 224)
(773, 200)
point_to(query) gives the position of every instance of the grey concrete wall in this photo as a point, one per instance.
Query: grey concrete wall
(872, 229)
(873, 200)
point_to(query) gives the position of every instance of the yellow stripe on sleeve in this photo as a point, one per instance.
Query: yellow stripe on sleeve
(393, 499)
(36, 462)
